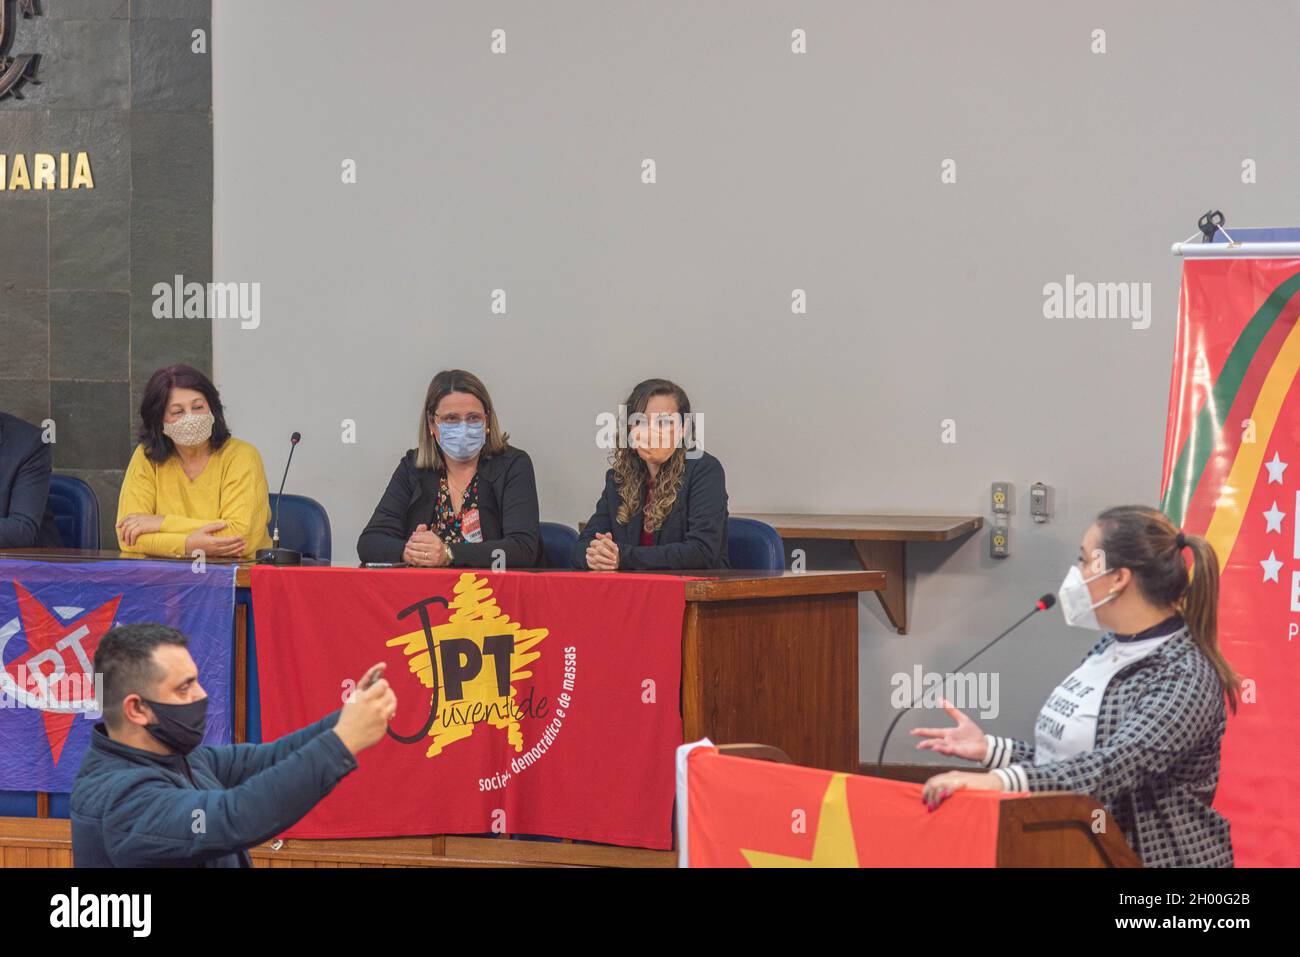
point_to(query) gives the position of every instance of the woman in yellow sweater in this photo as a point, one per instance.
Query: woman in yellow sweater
(191, 485)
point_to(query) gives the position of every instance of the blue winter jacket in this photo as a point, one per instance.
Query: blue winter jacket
(134, 808)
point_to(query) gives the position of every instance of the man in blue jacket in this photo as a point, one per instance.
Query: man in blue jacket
(148, 796)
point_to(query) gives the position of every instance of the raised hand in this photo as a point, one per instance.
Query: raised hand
(964, 740)
(369, 708)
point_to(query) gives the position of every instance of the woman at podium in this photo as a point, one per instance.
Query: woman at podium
(1138, 725)
(664, 505)
(463, 496)
(191, 485)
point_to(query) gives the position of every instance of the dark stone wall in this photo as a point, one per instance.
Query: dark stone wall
(78, 339)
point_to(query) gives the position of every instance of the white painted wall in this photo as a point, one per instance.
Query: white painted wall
(822, 172)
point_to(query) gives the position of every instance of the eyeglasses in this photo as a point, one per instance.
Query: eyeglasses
(473, 420)
(658, 420)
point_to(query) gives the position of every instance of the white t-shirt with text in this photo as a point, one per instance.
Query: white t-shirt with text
(1067, 725)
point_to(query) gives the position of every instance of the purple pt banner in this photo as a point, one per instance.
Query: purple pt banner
(52, 616)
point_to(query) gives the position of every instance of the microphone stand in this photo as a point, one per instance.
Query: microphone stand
(1047, 601)
(275, 555)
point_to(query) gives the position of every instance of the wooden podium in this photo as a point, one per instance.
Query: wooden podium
(1056, 829)
(873, 819)
(1048, 829)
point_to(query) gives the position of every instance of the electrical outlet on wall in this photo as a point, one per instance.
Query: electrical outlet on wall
(1003, 497)
(1040, 501)
(1000, 539)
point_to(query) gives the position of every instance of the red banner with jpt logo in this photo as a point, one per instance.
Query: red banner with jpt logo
(527, 703)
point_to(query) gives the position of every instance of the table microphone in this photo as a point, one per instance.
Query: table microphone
(275, 555)
(1043, 603)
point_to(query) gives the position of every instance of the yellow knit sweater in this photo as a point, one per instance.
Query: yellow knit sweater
(231, 489)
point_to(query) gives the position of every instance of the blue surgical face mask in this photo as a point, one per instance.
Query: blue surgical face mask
(462, 441)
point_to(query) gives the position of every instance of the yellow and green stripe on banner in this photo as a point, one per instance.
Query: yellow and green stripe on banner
(1233, 498)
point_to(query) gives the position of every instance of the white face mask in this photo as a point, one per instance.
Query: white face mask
(1076, 601)
(192, 428)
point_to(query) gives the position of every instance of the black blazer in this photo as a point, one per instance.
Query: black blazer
(26, 519)
(507, 508)
(693, 535)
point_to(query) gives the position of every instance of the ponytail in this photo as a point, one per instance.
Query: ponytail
(1143, 540)
(1200, 609)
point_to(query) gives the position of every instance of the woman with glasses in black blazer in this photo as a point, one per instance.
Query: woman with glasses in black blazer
(464, 496)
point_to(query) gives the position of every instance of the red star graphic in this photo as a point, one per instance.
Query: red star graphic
(44, 631)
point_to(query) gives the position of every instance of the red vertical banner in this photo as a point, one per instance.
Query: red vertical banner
(1231, 473)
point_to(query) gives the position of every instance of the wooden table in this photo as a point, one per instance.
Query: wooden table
(880, 542)
(766, 656)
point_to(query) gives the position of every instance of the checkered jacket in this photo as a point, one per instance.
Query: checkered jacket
(1155, 762)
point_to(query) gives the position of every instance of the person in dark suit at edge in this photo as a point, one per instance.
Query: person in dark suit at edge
(26, 519)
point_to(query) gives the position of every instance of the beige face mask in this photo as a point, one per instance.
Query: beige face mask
(192, 428)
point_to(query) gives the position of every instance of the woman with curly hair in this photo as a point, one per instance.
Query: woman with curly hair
(665, 502)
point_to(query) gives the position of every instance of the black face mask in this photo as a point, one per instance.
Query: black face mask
(180, 726)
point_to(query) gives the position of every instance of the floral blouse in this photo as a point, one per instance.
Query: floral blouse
(446, 522)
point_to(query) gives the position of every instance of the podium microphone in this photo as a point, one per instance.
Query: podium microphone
(1043, 603)
(275, 555)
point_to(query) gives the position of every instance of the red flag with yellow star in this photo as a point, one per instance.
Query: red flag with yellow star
(745, 813)
(526, 704)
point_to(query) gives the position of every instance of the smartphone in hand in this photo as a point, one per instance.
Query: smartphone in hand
(371, 676)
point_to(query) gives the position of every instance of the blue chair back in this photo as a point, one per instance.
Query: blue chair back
(17, 803)
(23, 804)
(557, 543)
(754, 546)
(304, 526)
(76, 511)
